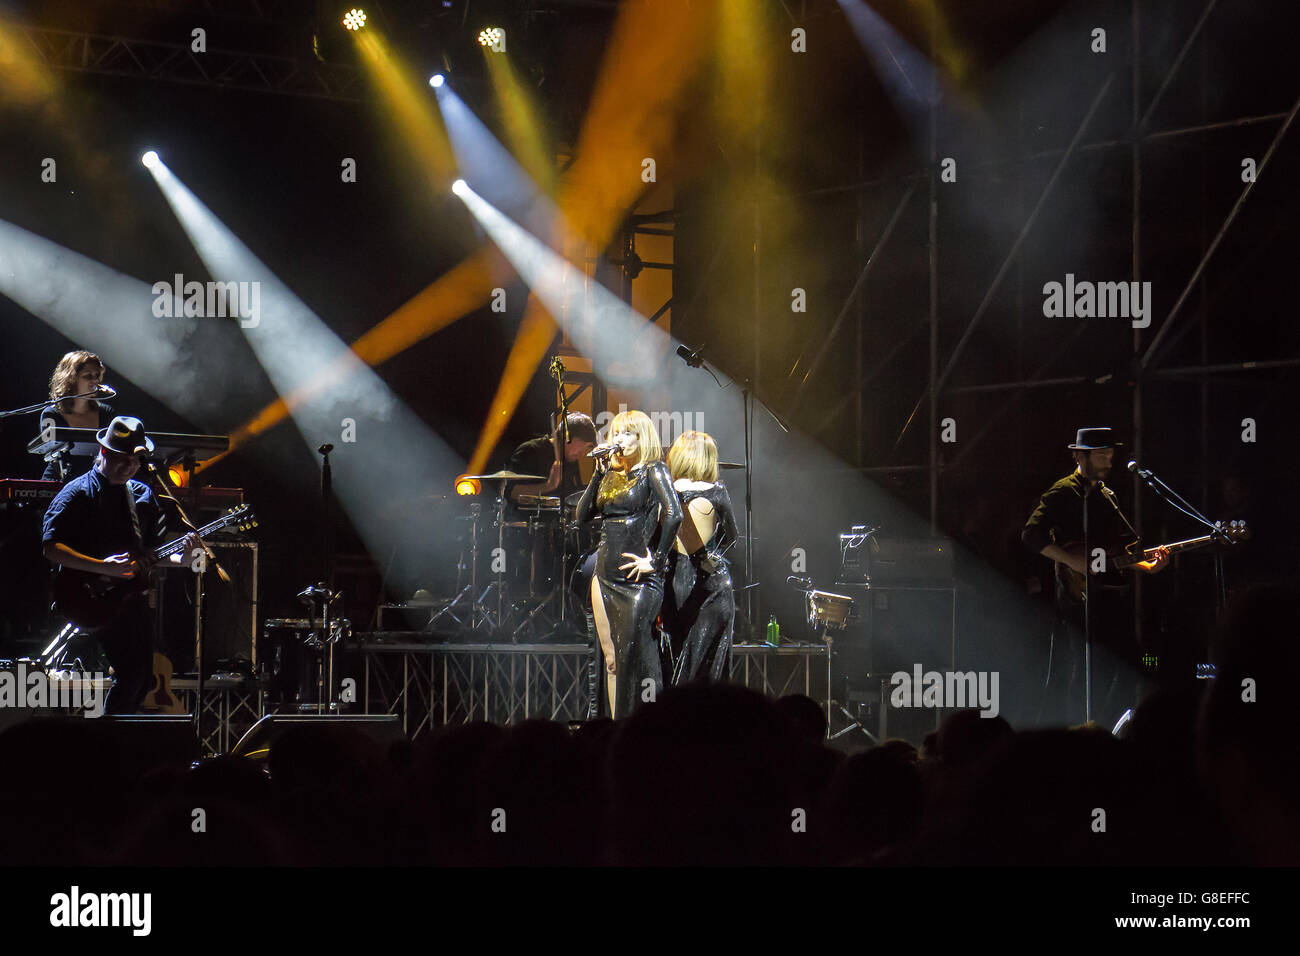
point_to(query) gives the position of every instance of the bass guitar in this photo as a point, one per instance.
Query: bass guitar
(92, 600)
(1074, 582)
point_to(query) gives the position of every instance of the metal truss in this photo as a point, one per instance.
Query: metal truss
(229, 710)
(433, 685)
(1146, 357)
(80, 52)
(777, 671)
(1169, 331)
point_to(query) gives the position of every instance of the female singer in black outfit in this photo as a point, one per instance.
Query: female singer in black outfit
(699, 605)
(76, 374)
(641, 513)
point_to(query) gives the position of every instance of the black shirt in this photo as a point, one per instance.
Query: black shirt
(91, 516)
(1058, 519)
(535, 457)
(72, 465)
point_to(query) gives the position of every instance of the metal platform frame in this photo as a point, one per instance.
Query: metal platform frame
(782, 670)
(432, 685)
(229, 709)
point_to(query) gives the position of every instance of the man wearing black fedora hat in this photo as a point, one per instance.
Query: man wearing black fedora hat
(1057, 531)
(106, 512)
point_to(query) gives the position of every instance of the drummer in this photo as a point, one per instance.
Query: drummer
(549, 455)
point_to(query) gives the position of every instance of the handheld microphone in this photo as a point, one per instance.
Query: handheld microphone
(605, 449)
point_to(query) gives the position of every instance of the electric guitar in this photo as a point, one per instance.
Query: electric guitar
(1075, 583)
(92, 600)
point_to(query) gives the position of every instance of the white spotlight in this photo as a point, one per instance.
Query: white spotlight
(150, 159)
(436, 80)
(460, 187)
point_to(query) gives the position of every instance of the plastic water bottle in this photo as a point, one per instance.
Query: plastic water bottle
(773, 632)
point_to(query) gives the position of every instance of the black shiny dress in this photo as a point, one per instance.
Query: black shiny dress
(699, 611)
(640, 512)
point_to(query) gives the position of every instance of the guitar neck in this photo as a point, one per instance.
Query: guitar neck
(173, 547)
(1173, 547)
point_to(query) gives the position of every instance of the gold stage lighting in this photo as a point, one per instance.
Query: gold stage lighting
(494, 38)
(465, 485)
(354, 19)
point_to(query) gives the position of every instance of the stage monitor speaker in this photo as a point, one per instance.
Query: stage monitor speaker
(384, 729)
(909, 562)
(132, 744)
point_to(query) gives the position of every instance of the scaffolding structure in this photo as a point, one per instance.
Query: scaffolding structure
(108, 55)
(1146, 356)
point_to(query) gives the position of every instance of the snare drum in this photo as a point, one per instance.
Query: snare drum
(829, 609)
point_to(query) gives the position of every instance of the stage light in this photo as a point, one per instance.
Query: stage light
(466, 485)
(178, 476)
(494, 38)
(460, 187)
(437, 80)
(355, 19)
(150, 159)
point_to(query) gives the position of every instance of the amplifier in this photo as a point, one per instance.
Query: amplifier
(904, 562)
(229, 610)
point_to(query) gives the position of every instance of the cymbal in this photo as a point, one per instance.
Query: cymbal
(731, 464)
(506, 476)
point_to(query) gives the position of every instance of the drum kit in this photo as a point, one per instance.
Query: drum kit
(530, 588)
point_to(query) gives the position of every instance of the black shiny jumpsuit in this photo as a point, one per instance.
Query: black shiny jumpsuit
(641, 512)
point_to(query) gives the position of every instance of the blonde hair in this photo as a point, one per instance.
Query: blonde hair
(694, 456)
(648, 446)
(63, 381)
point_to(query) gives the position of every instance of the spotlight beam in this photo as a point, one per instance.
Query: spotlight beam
(381, 443)
(652, 50)
(111, 313)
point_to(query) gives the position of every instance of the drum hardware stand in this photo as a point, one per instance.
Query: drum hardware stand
(478, 611)
(500, 554)
(323, 640)
(540, 609)
(826, 611)
(478, 606)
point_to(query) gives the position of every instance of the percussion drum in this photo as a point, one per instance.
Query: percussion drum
(289, 657)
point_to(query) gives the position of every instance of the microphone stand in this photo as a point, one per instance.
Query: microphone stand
(325, 701)
(1087, 607)
(94, 394)
(1182, 505)
(28, 409)
(747, 397)
(164, 489)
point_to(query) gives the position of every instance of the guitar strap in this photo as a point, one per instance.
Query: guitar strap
(1114, 503)
(135, 520)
